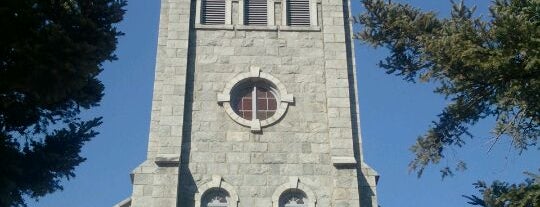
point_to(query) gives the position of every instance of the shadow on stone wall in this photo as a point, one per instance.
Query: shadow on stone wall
(186, 183)
(365, 192)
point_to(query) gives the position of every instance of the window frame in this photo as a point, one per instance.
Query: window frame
(217, 182)
(283, 99)
(208, 196)
(246, 16)
(269, 13)
(271, 25)
(252, 89)
(199, 13)
(313, 14)
(209, 11)
(290, 13)
(217, 205)
(290, 193)
(294, 184)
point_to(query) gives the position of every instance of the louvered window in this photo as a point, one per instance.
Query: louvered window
(298, 12)
(255, 12)
(213, 12)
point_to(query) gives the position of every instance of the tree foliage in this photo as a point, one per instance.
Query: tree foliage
(502, 194)
(488, 67)
(51, 52)
(485, 68)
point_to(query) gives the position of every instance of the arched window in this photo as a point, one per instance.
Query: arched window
(215, 197)
(293, 198)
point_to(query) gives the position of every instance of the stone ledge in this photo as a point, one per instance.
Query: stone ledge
(125, 203)
(300, 29)
(167, 160)
(214, 27)
(343, 161)
(258, 28)
(370, 172)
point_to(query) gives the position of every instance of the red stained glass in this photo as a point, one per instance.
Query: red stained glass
(247, 115)
(272, 104)
(243, 105)
(261, 115)
(262, 104)
(246, 104)
(266, 104)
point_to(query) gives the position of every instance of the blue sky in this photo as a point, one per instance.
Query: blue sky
(393, 114)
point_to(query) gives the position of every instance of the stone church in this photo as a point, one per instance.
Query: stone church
(255, 105)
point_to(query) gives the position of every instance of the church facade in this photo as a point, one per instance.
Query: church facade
(255, 105)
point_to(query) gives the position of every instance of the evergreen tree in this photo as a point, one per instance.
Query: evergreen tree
(502, 194)
(486, 67)
(51, 52)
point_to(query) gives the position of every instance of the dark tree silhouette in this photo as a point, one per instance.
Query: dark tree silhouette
(51, 52)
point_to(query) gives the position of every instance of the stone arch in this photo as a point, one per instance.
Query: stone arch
(217, 182)
(294, 183)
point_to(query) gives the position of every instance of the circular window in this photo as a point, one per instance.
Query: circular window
(255, 99)
(255, 102)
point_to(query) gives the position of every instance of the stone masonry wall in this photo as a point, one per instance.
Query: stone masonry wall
(155, 185)
(298, 145)
(193, 140)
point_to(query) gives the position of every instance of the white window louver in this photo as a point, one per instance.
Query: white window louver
(298, 12)
(213, 12)
(255, 12)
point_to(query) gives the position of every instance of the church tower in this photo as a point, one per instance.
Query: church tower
(255, 105)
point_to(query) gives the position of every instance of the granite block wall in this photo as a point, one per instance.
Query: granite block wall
(194, 144)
